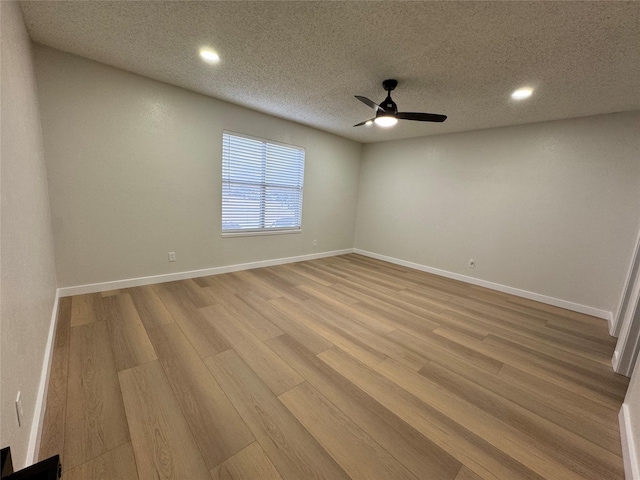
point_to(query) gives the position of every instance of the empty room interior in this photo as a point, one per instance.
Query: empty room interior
(320, 240)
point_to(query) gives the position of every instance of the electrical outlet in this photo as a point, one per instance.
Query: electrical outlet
(315, 243)
(472, 263)
(19, 411)
(172, 256)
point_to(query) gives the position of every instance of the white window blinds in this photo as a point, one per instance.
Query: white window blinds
(261, 185)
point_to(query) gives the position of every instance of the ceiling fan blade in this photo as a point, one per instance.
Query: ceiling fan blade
(421, 117)
(369, 103)
(363, 123)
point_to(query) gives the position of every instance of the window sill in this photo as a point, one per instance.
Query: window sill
(259, 232)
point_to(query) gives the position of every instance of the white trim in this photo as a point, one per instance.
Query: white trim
(556, 302)
(253, 233)
(629, 447)
(169, 277)
(615, 359)
(615, 319)
(265, 140)
(628, 335)
(41, 400)
(38, 416)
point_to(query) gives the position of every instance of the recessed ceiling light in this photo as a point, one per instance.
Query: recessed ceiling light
(522, 93)
(386, 121)
(209, 56)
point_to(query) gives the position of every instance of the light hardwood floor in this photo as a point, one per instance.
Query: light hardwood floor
(344, 367)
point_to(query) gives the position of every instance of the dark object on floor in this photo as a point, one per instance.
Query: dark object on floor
(6, 464)
(49, 469)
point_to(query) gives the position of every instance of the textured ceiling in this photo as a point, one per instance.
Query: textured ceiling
(304, 61)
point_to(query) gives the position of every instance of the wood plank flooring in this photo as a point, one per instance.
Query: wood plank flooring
(338, 368)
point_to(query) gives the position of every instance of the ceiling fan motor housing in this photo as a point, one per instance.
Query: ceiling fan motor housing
(390, 85)
(388, 106)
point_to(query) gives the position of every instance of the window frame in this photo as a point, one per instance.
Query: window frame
(260, 231)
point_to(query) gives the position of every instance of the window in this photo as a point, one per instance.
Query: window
(261, 185)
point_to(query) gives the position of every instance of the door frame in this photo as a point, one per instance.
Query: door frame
(627, 322)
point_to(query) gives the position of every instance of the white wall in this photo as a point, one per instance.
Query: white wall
(550, 208)
(134, 169)
(28, 279)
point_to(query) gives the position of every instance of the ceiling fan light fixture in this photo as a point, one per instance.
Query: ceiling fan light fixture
(386, 121)
(209, 55)
(522, 93)
(368, 123)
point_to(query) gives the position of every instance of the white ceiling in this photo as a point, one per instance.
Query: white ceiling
(305, 60)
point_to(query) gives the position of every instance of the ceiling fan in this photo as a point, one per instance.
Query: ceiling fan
(387, 113)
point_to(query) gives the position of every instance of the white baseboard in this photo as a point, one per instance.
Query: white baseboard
(629, 445)
(612, 324)
(139, 281)
(41, 400)
(169, 277)
(615, 359)
(38, 416)
(556, 302)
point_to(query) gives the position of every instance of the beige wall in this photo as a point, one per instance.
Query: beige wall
(551, 208)
(134, 171)
(28, 280)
